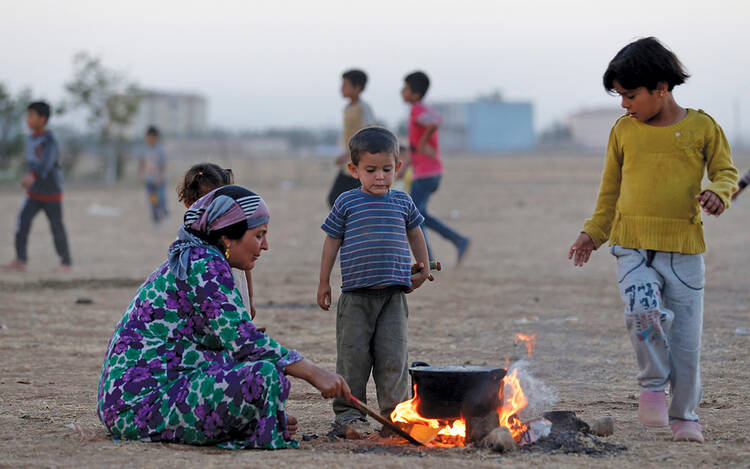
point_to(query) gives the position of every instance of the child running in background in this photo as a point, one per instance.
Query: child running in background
(152, 171)
(425, 159)
(742, 184)
(199, 180)
(357, 114)
(43, 185)
(649, 207)
(375, 227)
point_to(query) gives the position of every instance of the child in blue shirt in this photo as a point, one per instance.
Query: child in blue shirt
(375, 228)
(44, 191)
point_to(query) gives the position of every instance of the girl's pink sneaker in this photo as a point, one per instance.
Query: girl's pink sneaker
(652, 409)
(685, 430)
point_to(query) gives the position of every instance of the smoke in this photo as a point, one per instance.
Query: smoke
(540, 397)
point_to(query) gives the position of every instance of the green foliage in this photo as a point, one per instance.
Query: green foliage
(111, 103)
(12, 111)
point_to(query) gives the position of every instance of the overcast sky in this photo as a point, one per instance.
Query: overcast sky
(278, 63)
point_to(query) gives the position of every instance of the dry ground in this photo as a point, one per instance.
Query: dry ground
(522, 213)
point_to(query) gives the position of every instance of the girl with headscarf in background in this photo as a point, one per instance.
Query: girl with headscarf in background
(185, 363)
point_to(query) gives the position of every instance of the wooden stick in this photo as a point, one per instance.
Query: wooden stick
(393, 426)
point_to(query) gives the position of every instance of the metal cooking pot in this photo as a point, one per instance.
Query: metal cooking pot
(449, 392)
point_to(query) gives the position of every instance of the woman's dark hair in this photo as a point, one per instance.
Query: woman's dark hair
(357, 78)
(372, 140)
(418, 82)
(234, 232)
(152, 130)
(645, 62)
(201, 179)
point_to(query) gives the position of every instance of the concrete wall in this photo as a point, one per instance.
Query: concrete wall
(500, 126)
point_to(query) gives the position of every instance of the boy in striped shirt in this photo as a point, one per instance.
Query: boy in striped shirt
(376, 229)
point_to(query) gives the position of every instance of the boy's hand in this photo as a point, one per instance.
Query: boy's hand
(426, 149)
(711, 203)
(27, 181)
(417, 267)
(419, 277)
(581, 248)
(324, 296)
(341, 159)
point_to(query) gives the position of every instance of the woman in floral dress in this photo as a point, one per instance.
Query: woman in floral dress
(185, 363)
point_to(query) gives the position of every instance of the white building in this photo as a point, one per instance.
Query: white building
(590, 128)
(174, 114)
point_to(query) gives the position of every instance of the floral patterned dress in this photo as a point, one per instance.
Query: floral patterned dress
(187, 365)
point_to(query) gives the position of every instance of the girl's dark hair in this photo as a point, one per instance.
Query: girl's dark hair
(373, 140)
(645, 62)
(418, 82)
(202, 178)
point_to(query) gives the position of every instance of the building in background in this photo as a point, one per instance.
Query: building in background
(486, 125)
(589, 128)
(174, 114)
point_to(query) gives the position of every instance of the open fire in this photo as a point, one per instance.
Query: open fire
(442, 432)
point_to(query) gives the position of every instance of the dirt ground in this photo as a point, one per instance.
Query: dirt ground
(522, 212)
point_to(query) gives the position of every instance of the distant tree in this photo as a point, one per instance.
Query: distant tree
(12, 111)
(111, 102)
(557, 132)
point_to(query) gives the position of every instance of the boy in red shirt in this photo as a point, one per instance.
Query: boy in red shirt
(425, 159)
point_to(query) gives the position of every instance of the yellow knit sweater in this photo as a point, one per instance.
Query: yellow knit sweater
(650, 179)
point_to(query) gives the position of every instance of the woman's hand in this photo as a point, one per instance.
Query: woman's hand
(581, 249)
(329, 384)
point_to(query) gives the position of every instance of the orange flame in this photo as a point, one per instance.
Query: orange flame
(513, 402)
(530, 341)
(453, 432)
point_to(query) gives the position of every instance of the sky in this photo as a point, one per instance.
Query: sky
(278, 63)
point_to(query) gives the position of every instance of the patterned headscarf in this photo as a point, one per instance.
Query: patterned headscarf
(218, 209)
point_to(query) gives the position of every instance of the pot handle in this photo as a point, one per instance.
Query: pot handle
(416, 364)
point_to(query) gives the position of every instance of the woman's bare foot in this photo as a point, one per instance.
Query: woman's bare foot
(291, 424)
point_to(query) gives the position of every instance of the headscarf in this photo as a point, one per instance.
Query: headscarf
(218, 209)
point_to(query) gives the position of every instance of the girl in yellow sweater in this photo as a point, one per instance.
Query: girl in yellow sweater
(649, 208)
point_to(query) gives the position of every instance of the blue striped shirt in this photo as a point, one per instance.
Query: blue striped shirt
(374, 246)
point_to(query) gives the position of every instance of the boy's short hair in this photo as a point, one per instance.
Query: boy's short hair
(152, 130)
(356, 77)
(645, 62)
(418, 82)
(372, 140)
(41, 108)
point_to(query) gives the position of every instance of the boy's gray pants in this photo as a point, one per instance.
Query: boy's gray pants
(663, 295)
(371, 334)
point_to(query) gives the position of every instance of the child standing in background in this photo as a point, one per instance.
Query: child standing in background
(649, 207)
(152, 171)
(43, 184)
(424, 144)
(199, 180)
(357, 114)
